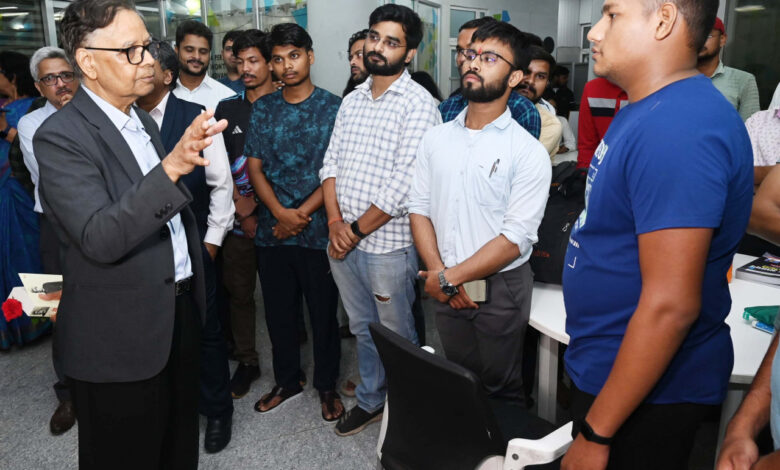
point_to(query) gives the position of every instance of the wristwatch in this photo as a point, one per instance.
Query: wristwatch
(589, 434)
(4, 132)
(445, 286)
(356, 230)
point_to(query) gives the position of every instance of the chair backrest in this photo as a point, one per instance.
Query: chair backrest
(440, 415)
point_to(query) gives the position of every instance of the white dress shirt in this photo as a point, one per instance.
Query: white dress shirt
(477, 185)
(28, 124)
(218, 178)
(209, 93)
(134, 133)
(371, 154)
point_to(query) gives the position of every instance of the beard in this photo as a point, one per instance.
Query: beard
(532, 89)
(707, 56)
(184, 67)
(485, 93)
(382, 69)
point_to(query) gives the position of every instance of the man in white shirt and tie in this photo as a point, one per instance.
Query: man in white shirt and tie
(478, 196)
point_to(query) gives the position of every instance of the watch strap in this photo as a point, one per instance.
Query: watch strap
(356, 230)
(590, 435)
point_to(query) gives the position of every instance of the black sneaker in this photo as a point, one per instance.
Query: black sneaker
(242, 379)
(356, 419)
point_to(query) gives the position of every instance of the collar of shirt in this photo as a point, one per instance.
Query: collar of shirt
(48, 109)
(500, 122)
(205, 83)
(547, 105)
(398, 86)
(158, 113)
(117, 117)
(719, 69)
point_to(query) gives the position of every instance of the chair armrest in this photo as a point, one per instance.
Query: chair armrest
(523, 452)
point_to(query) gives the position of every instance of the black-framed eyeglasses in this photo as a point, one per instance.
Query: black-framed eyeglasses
(486, 57)
(135, 54)
(51, 79)
(392, 44)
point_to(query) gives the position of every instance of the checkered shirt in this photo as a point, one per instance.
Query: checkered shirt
(372, 153)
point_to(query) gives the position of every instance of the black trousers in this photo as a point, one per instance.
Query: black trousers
(215, 398)
(653, 437)
(149, 424)
(286, 272)
(49, 247)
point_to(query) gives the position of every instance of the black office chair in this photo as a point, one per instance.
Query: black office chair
(441, 417)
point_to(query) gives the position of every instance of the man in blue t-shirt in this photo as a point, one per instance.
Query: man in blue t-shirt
(668, 196)
(289, 132)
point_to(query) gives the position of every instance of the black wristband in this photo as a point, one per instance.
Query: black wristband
(4, 132)
(589, 434)
(356, 230)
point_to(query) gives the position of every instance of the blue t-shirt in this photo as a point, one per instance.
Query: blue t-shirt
(291, 140)
(236, 85)
(679, 158)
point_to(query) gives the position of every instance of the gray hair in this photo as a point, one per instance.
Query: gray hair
(42, 54)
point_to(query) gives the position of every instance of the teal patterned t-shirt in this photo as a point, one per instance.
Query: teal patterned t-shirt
(291, 140)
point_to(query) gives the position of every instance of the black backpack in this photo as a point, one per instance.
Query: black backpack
(566, 201)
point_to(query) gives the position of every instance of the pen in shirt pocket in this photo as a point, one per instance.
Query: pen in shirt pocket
(494, 167)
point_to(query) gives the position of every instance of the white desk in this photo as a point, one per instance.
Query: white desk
(548, 315)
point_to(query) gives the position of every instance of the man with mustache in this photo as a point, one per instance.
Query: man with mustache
(532, 86)
(366, 174)
(211, 189)
(478, 196)
(357, 69)
(292, 232)
(193, 46)
(523, 111)
(55, 79)
(739, 87)
(239, 264)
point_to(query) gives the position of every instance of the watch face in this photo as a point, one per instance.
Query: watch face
(449, 290)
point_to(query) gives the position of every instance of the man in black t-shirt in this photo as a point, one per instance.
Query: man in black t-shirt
(238, 250)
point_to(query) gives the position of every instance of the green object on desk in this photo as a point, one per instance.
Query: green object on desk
(765, 314)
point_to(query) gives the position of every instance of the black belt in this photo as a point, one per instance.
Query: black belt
(183, 286)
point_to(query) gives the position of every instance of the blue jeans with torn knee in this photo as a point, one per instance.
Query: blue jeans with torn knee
(376, 288)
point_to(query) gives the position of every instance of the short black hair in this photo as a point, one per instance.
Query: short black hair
(252, 38)
(196, 28)
(425, 79)
(699, 15)
(168, 61)
(230, 36)
(359, 36)
(538, 53)
(509, 35)
(533, 40)
(83, 17)
(408, 19)
(17, 65)
(289, 34)
(476, 23)
(560, 71)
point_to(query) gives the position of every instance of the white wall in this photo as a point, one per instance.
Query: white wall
(332, 22)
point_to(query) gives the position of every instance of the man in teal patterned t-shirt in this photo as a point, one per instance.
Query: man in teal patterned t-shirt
(289, 132)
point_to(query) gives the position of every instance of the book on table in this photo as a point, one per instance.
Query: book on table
(764, 269)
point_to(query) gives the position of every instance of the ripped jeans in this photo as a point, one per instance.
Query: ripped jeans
(376, 288)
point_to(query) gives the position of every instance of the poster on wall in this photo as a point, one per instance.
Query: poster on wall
(427, 53)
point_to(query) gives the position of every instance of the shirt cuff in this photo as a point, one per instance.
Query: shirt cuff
(327, 172)
(419, 209)
(215, 235)
(522, 242)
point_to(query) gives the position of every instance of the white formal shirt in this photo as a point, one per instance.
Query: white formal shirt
(477, 185)
(371, 154)
(134, 133)
(218, 178)
(28, 124)
(209, 93)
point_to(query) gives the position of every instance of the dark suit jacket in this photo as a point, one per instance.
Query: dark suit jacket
(115, 321)
(179, 114)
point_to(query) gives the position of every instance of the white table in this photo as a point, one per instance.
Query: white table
(548, 316)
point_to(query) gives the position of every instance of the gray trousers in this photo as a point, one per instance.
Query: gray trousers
(489, 341)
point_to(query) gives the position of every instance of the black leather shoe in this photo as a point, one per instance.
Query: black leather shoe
(63, 419)
(242, 379)
(218, 432)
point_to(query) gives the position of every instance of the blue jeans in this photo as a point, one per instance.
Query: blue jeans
(376, 288)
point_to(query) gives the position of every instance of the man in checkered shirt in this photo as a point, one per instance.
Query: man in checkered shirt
(366, 178)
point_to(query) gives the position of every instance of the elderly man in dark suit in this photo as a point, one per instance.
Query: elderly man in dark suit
(133, 299)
